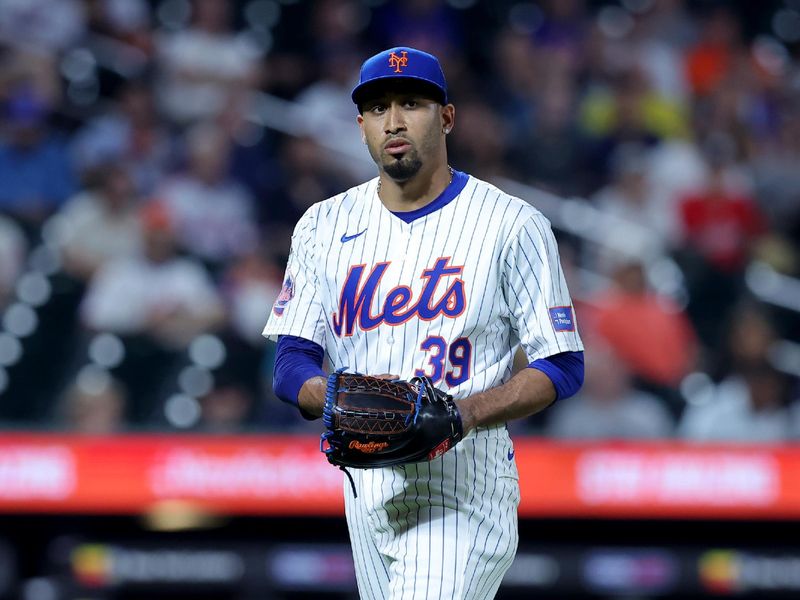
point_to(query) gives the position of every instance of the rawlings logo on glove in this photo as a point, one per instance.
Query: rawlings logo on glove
(369, 447)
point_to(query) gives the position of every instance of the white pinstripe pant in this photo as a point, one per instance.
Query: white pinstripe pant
(443, 530)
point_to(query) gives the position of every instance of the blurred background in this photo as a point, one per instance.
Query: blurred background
(154, 158)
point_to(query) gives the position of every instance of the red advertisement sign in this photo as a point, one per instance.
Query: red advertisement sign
(284, 475)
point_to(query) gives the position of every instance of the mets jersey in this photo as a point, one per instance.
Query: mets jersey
(449, 291)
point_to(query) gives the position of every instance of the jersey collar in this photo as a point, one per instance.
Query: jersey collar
(447, 196)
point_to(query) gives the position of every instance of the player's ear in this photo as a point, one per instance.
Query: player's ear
(448, 118)
(360, 120)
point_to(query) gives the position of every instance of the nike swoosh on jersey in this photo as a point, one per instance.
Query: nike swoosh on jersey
(347, 238)
(510, 454)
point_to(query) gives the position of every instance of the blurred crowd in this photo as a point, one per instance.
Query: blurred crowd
(148, 193)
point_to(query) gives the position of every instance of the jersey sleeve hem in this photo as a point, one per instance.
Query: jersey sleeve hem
(571, 346)
(271, 333)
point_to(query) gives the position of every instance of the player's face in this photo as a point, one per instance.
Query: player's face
(404, 130)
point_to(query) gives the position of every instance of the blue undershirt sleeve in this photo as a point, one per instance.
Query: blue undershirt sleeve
(565, 370)
(296, 361)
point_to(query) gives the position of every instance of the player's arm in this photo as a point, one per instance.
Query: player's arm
(297, 324)
(536, 294)
(298, 377)
(531, 390)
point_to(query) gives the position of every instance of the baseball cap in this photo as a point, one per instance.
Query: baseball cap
(401, 63)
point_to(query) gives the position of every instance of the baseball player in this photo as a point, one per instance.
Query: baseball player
(425, 270)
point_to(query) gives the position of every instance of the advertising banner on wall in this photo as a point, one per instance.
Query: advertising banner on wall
(287, 475)
(248, 570)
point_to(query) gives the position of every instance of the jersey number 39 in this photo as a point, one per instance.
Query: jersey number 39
(459, 355)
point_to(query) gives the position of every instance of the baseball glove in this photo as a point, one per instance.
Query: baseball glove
(376, 422)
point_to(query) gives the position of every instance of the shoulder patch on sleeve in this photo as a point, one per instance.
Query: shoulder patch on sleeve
(561, 317)
(287, 293)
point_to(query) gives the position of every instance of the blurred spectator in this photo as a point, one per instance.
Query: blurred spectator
(331, 111)
(632, 197)
(158, 294)
(13, 250)
(659, 55)
(155, 303)
(31, 72)
(676, 168)
(97, 226)
(750, 338)
(42, 25)
(737, 113)
(129, 132)
(777, 178)
(429, 25)
(670, 22)
(515, 79)
(256, 166)
(629, 111)
(709, 61)
(212, 215)
(250, 287)
(751, 405)
(481, 142)
(126, 20)
(608, 407)
(651, 335)
(328, 98)
(254, 152)
(719, 228)
(205, 65)
(334, 27)
(549, 154)
(94, 404)
(563, 28)
(308, 177)
(34, 165)
(751, 334)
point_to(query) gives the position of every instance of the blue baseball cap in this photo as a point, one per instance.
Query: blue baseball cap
(399, 63)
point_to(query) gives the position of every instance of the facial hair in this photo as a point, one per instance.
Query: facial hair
(404, 168)
(399, 169)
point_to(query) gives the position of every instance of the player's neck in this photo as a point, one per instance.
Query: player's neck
(419, 191)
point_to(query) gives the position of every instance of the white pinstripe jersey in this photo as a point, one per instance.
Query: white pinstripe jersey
(450, 294)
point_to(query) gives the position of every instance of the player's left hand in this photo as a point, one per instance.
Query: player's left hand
(380, 421)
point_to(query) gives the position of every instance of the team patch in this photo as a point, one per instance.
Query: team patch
(287, 293)
(561, 317)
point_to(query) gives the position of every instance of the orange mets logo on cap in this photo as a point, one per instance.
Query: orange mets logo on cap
(398, 61)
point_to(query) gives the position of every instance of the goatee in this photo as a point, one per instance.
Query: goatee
(403, 169)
